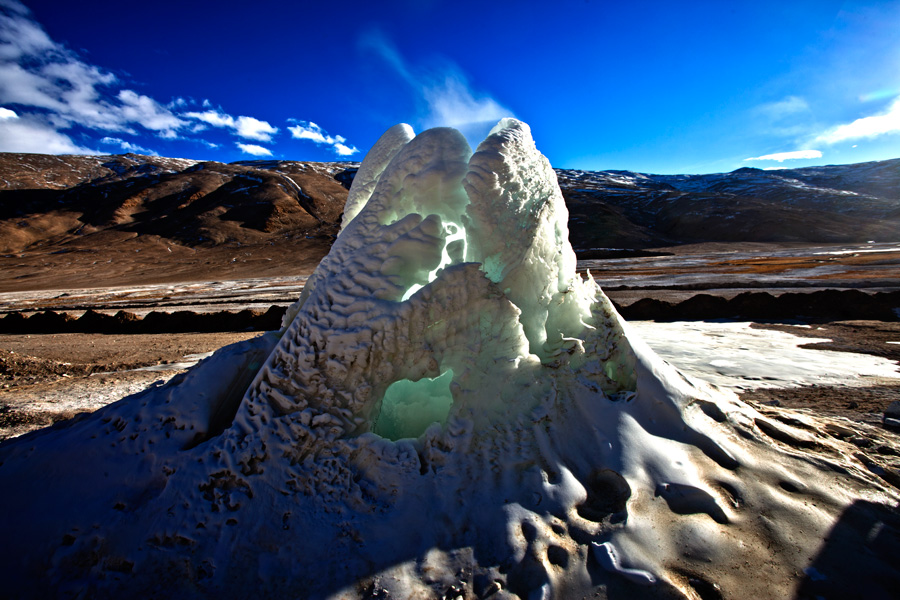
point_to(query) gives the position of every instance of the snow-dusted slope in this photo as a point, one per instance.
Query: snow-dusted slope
(42, 171)
(838, 203)
(451, 411)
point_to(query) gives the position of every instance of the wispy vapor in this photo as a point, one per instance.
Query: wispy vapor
(443, 92)
(884, 123)
(783, 156)
(788, 106)
(307, 130)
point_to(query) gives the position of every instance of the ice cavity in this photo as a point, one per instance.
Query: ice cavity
(449, 410)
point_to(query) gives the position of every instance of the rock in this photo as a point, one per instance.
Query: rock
(893, 410)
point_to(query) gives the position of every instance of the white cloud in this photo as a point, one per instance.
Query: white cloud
(783, 156)
(866, 127)
(19, 35)
(307, 130)
(453, 104)
(128, 146)
(245, 127)
(343, 150)
(254, 149)
(5, 113)
(149, 113)
(212, 117)
(29, 134)
(254, 129)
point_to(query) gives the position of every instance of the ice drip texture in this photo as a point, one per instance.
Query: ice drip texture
(449, 409)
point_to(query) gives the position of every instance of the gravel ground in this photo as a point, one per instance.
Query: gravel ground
(48, 378)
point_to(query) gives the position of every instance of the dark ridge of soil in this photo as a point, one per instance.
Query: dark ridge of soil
(601, 253)
(124, 322)
(11, 418)
(819, 306)
(815, 307)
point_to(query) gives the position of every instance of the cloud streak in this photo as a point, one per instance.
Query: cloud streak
(884, 123)
(783, 156)
(128, 146)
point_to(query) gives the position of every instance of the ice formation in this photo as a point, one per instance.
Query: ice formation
(449, 411)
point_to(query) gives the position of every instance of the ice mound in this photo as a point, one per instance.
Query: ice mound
(449, 411)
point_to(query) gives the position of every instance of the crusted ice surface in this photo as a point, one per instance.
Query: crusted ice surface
(370, 170)
(451, 411)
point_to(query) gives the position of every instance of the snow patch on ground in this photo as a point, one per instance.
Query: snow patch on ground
(735, 356)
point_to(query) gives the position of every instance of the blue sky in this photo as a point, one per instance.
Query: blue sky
(658, 87)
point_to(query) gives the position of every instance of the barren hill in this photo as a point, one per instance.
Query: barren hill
(130, 218)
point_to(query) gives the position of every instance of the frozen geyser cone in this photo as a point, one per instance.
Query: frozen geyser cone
(449, 410)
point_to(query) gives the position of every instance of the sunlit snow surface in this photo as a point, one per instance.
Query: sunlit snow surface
(735, 356)
(440, 416)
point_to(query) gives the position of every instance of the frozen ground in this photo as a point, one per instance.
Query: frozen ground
(48, 378)
(754, 266)
(736, 356)
(199, 296)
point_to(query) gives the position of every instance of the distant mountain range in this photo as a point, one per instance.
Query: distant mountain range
(59, 204)
(831, 204)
